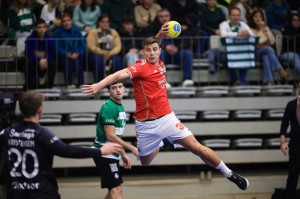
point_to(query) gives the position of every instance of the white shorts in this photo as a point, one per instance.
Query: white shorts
(151, 133)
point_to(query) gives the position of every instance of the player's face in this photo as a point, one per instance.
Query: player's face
(116, 92)
(151, 53)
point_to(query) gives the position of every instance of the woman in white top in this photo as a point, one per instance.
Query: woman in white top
(52, 12)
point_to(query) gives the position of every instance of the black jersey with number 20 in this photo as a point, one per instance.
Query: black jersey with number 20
(30, 149)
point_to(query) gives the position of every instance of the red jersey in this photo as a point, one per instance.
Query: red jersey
(150, 93)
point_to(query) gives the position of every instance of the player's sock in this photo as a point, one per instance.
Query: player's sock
(223, 169)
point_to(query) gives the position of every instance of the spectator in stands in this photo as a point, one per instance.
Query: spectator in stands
(235, 28)
(145, 14)
(116, 9)
(104, 45)
(291, 117)
(130, 41)
(278, 14)
(291, 43)
(111, 123)
(244, 8)
(71, 48)
(210, 18)
(40, 57)
(85, 16)
(51, 13)
(186, 12)
(21, 19)
(70, 5)
(264, 50)
(154, 118)
(175, 51)
(29, 152)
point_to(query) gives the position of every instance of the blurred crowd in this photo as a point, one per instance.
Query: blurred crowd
(106, 34)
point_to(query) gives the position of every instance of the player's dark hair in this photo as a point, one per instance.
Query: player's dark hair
(30, 102)
(117, 82)
(150, 40)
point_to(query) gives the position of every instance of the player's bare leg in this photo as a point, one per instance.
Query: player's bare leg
(147, 159)
(212, 159)
(115, 193)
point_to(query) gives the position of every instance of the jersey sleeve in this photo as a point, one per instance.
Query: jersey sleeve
(136, 70)
(59, 148)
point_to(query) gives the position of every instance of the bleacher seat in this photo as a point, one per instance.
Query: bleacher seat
(209, 91)
(81, 118)
(275, 114)
(216, 143)
(75, 94)
(215, 115)
(245, 90)
(51, 119)
(82, 143)
(278, 90)
(182, 92)
(186, 115)
(247, 114)
(248, 143)
(53, 93)
(275, 142)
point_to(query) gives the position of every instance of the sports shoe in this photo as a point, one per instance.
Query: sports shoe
(187, 83)
(240, 181)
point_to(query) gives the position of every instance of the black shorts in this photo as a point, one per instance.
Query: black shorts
(110, 173)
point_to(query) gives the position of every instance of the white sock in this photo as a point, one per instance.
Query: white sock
(224, 169)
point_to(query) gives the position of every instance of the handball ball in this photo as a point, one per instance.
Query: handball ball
(174, 29)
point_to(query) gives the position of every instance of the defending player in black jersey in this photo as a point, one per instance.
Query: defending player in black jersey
(29, 149)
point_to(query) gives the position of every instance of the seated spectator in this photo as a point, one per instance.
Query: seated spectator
(116, 9)
(175, 51)
(40, 57)
(130, 41)
(104, 45)
(70, 5)
(51, 13)
(21, 19)
(85, 16)
(144, 14)
(185, 12)
(278, 14)
(210, 18)
(264, 51)
(71, 48)
(244, 8)
(236, 28)
(291, 43)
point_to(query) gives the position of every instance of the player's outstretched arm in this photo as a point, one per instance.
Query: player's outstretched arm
(96, 87)
(110, 148)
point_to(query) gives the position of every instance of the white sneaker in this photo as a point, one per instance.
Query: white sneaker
(72, 86)
(168, 85)
(188, 83)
